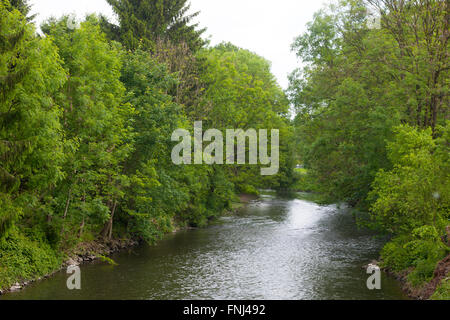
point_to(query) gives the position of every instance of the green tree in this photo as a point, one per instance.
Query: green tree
(96, 122)
(241, 92)
(147, 21)
(416, 191)
(24, 7)
(30, 132)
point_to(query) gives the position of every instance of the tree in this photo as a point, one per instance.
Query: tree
(30, 133)
(241, 92)
(420, 31)
(144, 22)
(96, 125)
(24, 8)
(161, 192)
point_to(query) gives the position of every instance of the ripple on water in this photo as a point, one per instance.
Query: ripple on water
(273, 249)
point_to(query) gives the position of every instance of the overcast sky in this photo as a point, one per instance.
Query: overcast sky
(266, 27)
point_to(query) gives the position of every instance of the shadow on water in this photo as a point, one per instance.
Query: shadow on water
(277, 247)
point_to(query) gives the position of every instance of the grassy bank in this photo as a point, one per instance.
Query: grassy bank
(421, 261)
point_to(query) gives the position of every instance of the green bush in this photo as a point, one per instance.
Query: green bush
(421, 250)
(423, 272)
(303, 181)
(395, 256)
(248, 189)
(443, 291)
(416, 192)
(23, 259)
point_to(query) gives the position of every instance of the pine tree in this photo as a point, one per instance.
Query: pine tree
(23, 7)
(30, 140)
(146, 21)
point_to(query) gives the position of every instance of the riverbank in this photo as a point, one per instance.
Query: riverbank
(84, 252)
(101, 249)
(276, 248)
(436, 289)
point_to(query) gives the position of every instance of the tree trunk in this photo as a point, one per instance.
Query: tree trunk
(107, 229)
(80, 233)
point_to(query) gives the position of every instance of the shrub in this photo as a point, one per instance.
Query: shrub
(423, 272)
(23, 259)
(443, 291)
(417, 191)
(422, 250)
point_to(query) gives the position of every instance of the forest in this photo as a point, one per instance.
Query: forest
(87, 114)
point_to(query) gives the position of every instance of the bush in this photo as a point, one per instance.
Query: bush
(423, 272)
(421, 250)
(417, 191)
(443, 291)
(23, 259)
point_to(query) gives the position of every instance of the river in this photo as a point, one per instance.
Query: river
(275, 248)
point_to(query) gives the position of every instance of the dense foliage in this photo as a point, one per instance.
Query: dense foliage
(373, 123)
(87, 116)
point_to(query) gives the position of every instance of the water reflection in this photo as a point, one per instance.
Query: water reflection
(276, 248)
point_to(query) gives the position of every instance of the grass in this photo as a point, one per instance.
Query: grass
(443, 291)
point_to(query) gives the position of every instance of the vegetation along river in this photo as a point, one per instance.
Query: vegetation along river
(275, 248)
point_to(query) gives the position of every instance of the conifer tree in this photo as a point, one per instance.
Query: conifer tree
(145, 21)
(30, 140)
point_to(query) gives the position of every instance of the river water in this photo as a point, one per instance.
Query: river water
(275, 248)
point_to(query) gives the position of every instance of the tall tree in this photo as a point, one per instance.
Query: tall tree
(95, 124)
(30, 133)
(24, 8)
(420, 30)
(143, 22)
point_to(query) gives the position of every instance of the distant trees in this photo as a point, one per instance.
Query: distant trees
(240, 92)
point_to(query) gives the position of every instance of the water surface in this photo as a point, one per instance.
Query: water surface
(275, 248)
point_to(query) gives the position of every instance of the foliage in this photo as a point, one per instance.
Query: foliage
(23, 259)
(443, 291)
(303, 181)
(241, 92)
(30, 133)
(416, 191)
(421, 250)
(147, 21)
(96, 123)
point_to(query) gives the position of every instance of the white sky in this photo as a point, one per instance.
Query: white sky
(266, 27)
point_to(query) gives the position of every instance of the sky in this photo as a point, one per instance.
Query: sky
(266, 27)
